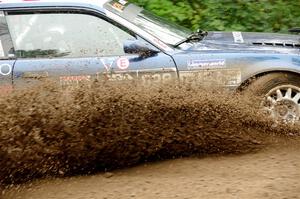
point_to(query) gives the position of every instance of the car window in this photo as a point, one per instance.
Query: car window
(65, 35)
(6, 46)
(163, 29)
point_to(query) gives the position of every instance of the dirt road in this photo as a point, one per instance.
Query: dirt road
(47, 132)
(271, 173)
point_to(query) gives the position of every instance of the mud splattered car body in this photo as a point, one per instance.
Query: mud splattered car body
(79, 40)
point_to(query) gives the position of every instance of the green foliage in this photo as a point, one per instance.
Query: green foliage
(242, 15)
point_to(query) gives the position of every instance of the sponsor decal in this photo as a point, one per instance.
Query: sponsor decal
(107, 63)
(76, 78)
(119, 5)
(5, 69)
(71, 80)
(238, 37)
(147, 76)
(123, 63)
(206, 64)
(35, 75)
(217, 77)
(123, 2)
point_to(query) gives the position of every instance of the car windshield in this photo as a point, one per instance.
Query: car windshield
(166, 31)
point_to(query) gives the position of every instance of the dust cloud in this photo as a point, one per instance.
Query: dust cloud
(50, 132)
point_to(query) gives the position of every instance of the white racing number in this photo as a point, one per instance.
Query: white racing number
(5, 69)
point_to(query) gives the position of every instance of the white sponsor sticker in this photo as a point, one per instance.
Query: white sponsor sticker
(206, 64)
(5, 69)
(123, 2)
(238, 37)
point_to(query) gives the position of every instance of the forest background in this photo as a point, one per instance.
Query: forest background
(228, 15)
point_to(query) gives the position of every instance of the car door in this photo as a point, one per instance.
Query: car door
(6, 60)
(71, 46)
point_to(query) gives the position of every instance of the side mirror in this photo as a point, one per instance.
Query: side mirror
(138, 47)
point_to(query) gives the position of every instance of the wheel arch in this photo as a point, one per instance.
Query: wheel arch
(245, 83)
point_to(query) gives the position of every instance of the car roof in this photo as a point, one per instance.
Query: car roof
(44, 3)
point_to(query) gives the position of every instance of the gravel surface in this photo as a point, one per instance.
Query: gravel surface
(271, 173)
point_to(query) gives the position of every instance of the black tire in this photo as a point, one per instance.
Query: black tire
(262, 85)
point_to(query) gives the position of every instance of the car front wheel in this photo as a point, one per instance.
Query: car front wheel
(281, 95)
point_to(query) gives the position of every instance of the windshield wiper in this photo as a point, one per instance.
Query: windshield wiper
(195, 36)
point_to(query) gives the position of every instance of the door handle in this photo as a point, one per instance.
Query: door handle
(35, 75)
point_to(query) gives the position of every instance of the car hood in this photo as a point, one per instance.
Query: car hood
(249, 40)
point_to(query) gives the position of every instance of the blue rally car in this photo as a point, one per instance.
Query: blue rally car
(84, 40)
